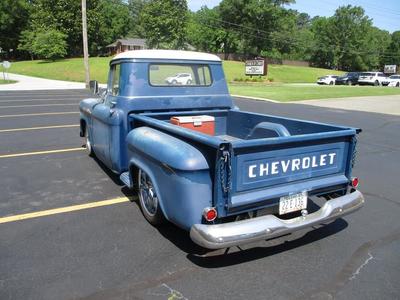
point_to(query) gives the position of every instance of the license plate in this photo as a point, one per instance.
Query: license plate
(292, 203)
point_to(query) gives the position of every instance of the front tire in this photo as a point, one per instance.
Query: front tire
(148, 199)
(348, 83)
(398, 84)
(88, 144)
(376, 83)
(331, 83)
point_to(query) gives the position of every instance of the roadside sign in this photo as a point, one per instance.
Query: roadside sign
(256, 67)
(6, 64)
(390, 69)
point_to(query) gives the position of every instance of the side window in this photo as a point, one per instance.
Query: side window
(115, 80)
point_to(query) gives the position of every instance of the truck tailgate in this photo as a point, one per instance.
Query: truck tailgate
(261, 172)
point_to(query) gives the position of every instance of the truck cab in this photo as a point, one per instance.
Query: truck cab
(247, 177)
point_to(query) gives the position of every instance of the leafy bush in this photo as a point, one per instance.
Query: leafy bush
(48, 44)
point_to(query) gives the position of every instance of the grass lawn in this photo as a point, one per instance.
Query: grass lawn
(279, 73)
(2, 81)
(64, 69)
(288, 92)
(72, 70)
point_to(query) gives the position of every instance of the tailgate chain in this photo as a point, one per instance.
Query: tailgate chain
(225, 167)
(354, 154)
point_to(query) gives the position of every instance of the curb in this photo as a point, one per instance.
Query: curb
(257, 98)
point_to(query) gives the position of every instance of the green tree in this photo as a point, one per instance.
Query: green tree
(135, 8)
(14, 16)
(254, 21)
(164, 23)
(206, 33)
(50, 44)
(107, 20)
(348, 41)
(113, 21)
(322, 53)
(27, 39)
(391, 56)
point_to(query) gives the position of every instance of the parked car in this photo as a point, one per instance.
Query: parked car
(350, 78)
(393, 80)
(371, 78)
(328, 79)
(228, 176)
(180, 78)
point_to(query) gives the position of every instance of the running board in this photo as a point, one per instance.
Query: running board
(126, 179)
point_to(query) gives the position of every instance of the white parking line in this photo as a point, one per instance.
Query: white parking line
(61, 210)
(37, 128)
(40, 114)
(38, 105)
(40, 152)
(39, 100)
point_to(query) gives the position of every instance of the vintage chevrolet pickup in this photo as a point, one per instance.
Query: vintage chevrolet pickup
(248, 177)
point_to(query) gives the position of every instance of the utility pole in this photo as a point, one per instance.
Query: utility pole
(85, 44)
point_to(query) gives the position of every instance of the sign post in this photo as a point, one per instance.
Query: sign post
(6, 65)
(256, 67)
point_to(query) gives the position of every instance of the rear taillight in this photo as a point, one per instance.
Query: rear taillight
(210, 214)
(354, 182)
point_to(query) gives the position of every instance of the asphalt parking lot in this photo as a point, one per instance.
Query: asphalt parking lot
(109, 251)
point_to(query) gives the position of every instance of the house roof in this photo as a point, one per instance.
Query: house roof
(128, 42)
(167, 54)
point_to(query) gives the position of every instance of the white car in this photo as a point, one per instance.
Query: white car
(328, 79)
(393, 80)
(180, 78)
(371, 78)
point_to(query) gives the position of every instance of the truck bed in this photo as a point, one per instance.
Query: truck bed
(268, 156)
(235, 126)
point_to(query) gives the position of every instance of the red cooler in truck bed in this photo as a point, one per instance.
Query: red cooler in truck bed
(204, 123)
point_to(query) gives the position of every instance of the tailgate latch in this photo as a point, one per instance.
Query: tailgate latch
(225, 171)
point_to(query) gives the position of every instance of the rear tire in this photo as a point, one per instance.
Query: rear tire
(331, 83)
(398, 84)
(376, 83)
(149, 203)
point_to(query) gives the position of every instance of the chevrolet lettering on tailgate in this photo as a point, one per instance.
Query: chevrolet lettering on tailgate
(292, 165)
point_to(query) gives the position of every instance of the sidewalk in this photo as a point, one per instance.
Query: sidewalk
(26, 83)
(377, 104)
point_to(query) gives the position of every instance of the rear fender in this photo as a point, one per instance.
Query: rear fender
(166, 149)
(179, 173)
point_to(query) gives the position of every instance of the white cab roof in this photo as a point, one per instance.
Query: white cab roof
(167, 54)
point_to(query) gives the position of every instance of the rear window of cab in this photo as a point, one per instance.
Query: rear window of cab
(179, 75)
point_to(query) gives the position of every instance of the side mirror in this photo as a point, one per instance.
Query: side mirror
(94, 87)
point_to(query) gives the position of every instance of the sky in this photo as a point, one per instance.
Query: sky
(385, 14)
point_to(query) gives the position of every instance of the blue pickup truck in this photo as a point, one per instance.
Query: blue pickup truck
(167, 125)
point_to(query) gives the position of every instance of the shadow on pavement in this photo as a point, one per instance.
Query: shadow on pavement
(240, 255)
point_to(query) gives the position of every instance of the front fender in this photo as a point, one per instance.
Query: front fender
(85, 108)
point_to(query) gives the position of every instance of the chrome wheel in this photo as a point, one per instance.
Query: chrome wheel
(147, 195)
(88, 145)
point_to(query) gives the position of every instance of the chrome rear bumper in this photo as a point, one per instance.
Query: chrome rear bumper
(266, 227)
